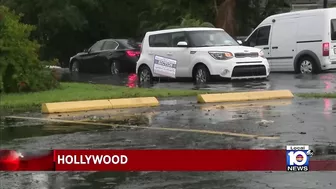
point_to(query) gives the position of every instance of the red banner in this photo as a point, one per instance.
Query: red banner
(153, 160)
(170, 160)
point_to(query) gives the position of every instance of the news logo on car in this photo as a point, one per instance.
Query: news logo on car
(298, 157)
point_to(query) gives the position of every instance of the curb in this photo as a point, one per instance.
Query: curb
(90, 105)
(76, 106)
(245, 96)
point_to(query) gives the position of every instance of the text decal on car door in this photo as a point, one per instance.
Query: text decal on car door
(165, 66)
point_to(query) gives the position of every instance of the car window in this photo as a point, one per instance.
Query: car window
(97, 46)
(333, 29)
(128, 44)
(110, 45)
(263, 35)
(160, 40)
(178, 37)
(211, 38)
(252, 40)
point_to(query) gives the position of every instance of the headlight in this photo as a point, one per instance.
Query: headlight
(261, 54)
(221, 55)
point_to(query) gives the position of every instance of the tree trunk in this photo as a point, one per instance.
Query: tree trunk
(226, 16)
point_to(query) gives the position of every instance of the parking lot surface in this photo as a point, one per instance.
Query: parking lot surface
(325, 82)
(298, 121)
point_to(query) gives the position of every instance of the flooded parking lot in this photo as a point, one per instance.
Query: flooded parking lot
(325, 82)
(297, 121)
(310, 122)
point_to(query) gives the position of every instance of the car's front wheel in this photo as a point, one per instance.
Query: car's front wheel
(145, 75)
(74, 67)
(201, 74)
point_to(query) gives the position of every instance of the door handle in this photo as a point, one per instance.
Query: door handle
(169, 54)
(274, 47)
(266, 48)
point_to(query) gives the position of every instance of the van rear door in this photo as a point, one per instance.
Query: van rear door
(333, 40)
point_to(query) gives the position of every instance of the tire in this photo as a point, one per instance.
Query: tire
(145, 76)
(307, 65)
(201, 74)
(114, 67)
(74, 68)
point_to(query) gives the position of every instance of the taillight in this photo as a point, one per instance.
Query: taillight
(133, 53)
(325, 49)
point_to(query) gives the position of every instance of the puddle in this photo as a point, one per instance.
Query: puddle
(11, 133)
(12, 129)
(126, 120)
(324, 150)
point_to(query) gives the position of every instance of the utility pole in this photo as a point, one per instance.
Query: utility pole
(325, 3)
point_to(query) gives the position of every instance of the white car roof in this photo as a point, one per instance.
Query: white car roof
(184, 29)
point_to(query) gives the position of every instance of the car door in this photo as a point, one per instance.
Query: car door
(283, 47)
(87, 60)
(102, 59)
(164, 63)
(180, 54)
(260, 39)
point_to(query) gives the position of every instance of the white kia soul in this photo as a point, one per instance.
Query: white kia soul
(198, 53)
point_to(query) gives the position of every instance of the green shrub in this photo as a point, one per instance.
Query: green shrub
(20, 67)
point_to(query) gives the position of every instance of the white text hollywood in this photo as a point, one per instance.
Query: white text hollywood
(91, 159)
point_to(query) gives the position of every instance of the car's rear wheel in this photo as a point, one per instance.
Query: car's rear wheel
(115, 68)
(201, 74)
(307, 65)
(74, 67)
(145, 75)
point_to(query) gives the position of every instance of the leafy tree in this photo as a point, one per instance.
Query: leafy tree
(238, 17)
(20, 67)
(188, 21)
(65, 27)
(178, 13)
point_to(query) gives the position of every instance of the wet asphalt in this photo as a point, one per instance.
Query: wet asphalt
(297, 83)
(297, 121)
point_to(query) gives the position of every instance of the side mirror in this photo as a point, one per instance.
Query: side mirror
(182, 44)
(239, 42)
(252, 44)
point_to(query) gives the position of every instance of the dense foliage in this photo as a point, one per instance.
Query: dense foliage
(65, 27)
(20, 67)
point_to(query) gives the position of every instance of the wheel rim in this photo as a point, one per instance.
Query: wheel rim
(144, 76)
(200, 76)
(74, 67)
(306, 67)
(114, 68)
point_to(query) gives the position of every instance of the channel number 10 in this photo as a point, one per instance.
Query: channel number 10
(298, 158)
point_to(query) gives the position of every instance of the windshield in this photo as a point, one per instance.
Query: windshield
(128, 44)
(211, 38)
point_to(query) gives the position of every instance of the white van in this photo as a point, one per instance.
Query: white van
(303, 41)
(198, 53)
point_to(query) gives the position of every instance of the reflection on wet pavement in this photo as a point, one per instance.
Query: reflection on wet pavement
(325, 82)
(310, 122)
(296, 121)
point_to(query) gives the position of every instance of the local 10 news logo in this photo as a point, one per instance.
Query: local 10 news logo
(298, 157)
